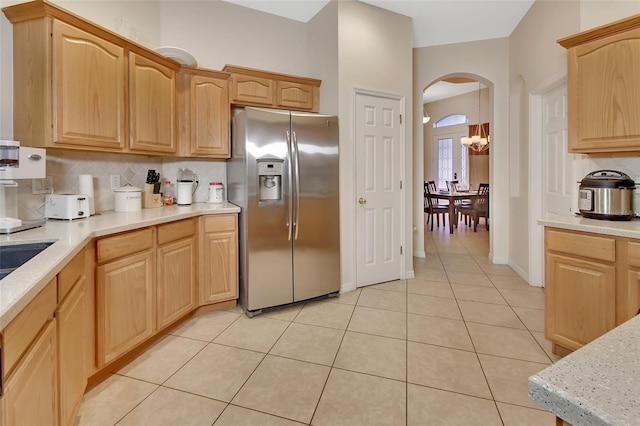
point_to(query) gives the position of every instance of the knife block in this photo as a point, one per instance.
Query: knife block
(149, 199)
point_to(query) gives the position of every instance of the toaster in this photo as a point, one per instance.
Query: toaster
(66, 206)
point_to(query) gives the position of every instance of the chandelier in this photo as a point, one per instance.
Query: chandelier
(479, 141)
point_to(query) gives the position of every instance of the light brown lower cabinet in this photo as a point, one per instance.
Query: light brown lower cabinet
(592, 284)
(218, 258)
(30, 394)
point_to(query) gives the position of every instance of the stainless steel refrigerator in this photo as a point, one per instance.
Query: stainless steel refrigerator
(283, 173)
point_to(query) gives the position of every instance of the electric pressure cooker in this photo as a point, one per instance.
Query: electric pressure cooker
(606, 194)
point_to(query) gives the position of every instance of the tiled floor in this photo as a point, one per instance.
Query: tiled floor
(453, 346)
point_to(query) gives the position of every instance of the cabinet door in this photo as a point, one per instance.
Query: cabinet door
(71, 352)
(602, 73)
(152, 106)
(209, 116)
(579, 300)
(125, 302)
(30, 392)
(176, 280)
(89, 89)
(219, 267)
(252, 90)
(295, 95)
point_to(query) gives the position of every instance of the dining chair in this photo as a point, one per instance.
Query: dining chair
(431, 205)
(478, 208)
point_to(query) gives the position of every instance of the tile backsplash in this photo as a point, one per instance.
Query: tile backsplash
(65, 167)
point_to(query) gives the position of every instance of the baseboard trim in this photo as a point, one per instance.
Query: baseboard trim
(419, 253)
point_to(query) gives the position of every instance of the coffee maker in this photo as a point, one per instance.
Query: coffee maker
(187, 183)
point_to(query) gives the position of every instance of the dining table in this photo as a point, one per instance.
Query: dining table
(454, 197)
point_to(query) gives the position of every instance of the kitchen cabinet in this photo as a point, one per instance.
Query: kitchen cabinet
(176, 286)
(79, 86)
(152, 105)
(218, 259)
(203, 113)
(592, 284)
(250, 86)
(602, 69)
(125, 296)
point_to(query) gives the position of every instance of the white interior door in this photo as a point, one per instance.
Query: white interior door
(378, 189)
(558, 180)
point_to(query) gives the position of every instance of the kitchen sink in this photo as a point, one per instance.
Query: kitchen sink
(12, 256)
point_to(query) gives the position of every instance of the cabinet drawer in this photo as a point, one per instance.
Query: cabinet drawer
(120, 245)
(634, 254)
(220, 223)
(591, 246)
(70, 274)
(25, 327)
(176, 230)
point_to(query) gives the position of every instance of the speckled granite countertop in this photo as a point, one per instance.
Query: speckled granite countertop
(598, 384)
(22, 285)
(627, 228)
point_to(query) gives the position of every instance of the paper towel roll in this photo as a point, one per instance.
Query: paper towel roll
(85, 186)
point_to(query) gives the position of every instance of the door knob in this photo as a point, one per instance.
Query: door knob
(362, 201)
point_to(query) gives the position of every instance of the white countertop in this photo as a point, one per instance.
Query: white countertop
(626, 228)
(22, 285)
(598, 384)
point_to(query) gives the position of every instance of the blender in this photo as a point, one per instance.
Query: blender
(187, 183)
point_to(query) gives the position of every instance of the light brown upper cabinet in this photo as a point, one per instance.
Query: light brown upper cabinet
(264, 88)
(203, 113)
(72, 82)
(603, 68)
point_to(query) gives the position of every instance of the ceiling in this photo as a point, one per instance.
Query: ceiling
(435, 22)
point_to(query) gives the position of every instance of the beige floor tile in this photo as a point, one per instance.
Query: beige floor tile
(379, 322)
(438, 331)
(509, 378)
(524, 299)
(383, 299)
(309, 343)
(168, 407)
(160, 361)
(546, 345)
(432, 261)
(432, 275)
(467, 265)
(444, 368)
(216, 372)
(285, 313)
(397, 285)
(429, 288)
(111, 400)
(380, 356)
(347, 298)
(256, 334)
(514, 415)
(435, 407)
(325, 314)
(433, 306)
(284, 387)
(239, 416)
(206, 326)
(533, 319)
(355, 399)
(506, 342)
(489, 313)
(469, 278)
(475, 293)
(489, 268)
(511, 283)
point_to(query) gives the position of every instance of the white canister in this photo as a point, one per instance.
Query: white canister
(128, 199)
(216, 192)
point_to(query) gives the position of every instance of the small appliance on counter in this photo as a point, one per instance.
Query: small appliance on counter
(606, 194)
(187, 185)
(67, 206)
(128, 199)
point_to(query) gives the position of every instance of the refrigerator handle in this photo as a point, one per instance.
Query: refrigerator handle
(290, 201)
(297, 188)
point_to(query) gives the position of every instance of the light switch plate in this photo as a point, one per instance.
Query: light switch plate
(115, 182)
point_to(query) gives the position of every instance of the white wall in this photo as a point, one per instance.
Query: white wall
(374, 53)
(322, 52)
(486, 61)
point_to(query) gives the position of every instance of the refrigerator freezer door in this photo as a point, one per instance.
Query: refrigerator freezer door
(267, 221)
(316, 254)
